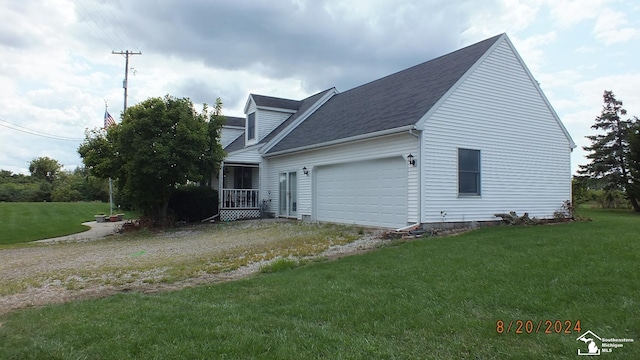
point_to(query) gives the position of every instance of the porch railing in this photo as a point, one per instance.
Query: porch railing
(240, 198)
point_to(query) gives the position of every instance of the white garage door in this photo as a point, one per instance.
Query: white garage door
(370, 192)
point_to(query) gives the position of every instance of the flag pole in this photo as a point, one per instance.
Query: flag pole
(110, 182)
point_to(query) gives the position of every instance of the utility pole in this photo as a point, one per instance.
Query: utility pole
(125, 83)
(126, 54)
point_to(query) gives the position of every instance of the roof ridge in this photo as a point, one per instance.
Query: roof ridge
(272, 97)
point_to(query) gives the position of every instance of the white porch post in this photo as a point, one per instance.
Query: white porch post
(220, 185)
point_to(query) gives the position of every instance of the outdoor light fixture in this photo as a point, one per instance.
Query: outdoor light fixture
(305, 171)
(412, 160)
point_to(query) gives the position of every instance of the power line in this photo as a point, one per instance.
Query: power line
(99, 30)
(122, 28)
(106, 22)
(25, 130)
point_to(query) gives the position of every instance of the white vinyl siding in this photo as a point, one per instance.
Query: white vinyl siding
(399, 145)
(264, 122)
(249, 155)
(269, 120)
(413, 193)
(525, 153)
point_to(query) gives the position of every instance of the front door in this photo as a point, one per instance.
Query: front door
(288, 194)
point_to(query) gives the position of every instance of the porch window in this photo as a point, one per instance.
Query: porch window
(242, 178)
(251, 126)
(468, 172)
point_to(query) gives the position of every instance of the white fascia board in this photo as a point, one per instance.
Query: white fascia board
(233, 127)
(276, 109)
(420, 124)
(572, 144)
(344, 141)
(246, 105)
(276, 139)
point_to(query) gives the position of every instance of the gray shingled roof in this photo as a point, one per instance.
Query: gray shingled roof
(237, 144)
(274, 102)
(234, 121)
(305, 104)
(393, 101)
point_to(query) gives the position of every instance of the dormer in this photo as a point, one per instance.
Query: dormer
(231, 130)
(264, 114)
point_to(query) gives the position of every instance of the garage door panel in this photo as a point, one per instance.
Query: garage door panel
(368, 193)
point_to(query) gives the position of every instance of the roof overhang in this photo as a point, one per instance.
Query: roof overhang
(344, 140)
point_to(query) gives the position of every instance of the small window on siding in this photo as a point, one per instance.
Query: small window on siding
(468, 172)
(251, 126)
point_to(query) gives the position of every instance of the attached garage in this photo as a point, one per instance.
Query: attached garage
(372, 192)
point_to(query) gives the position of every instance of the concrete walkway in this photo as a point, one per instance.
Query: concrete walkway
(97, 230)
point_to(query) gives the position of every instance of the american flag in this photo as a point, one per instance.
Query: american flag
(108, 119)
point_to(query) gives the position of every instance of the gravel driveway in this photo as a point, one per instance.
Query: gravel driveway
(42, 273)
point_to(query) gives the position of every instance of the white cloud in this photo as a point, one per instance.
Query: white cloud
(568, 13)
(500, 16)
(531, 49)
(611, 28)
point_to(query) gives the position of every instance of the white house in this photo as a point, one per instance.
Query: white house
(455, 139)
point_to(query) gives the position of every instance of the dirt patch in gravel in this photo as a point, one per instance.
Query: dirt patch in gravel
(46, 273)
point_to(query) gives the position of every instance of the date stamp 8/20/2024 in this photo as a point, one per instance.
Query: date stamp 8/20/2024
(538, 326)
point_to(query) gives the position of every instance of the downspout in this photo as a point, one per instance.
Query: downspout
(408, 227)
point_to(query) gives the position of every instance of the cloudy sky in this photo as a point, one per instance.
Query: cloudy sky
(57, 67)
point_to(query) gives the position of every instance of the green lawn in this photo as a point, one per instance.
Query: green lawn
(29, 221)
(437, 298)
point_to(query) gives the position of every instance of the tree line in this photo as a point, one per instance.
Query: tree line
(48, 182)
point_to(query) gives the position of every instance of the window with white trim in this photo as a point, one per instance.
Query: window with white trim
(251, 126)
(468, 172)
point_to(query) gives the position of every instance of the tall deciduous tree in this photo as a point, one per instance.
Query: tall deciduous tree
(44, 168)
(214, 153)
(611, 152)
(160, 144)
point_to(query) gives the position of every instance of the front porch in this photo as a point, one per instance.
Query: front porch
(240, 192)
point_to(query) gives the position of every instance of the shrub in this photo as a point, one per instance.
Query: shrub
(193, 203)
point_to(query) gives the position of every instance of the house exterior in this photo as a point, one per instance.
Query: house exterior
(455, 139)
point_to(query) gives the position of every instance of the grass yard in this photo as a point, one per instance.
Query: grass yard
(436, 298)
(29, 221)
